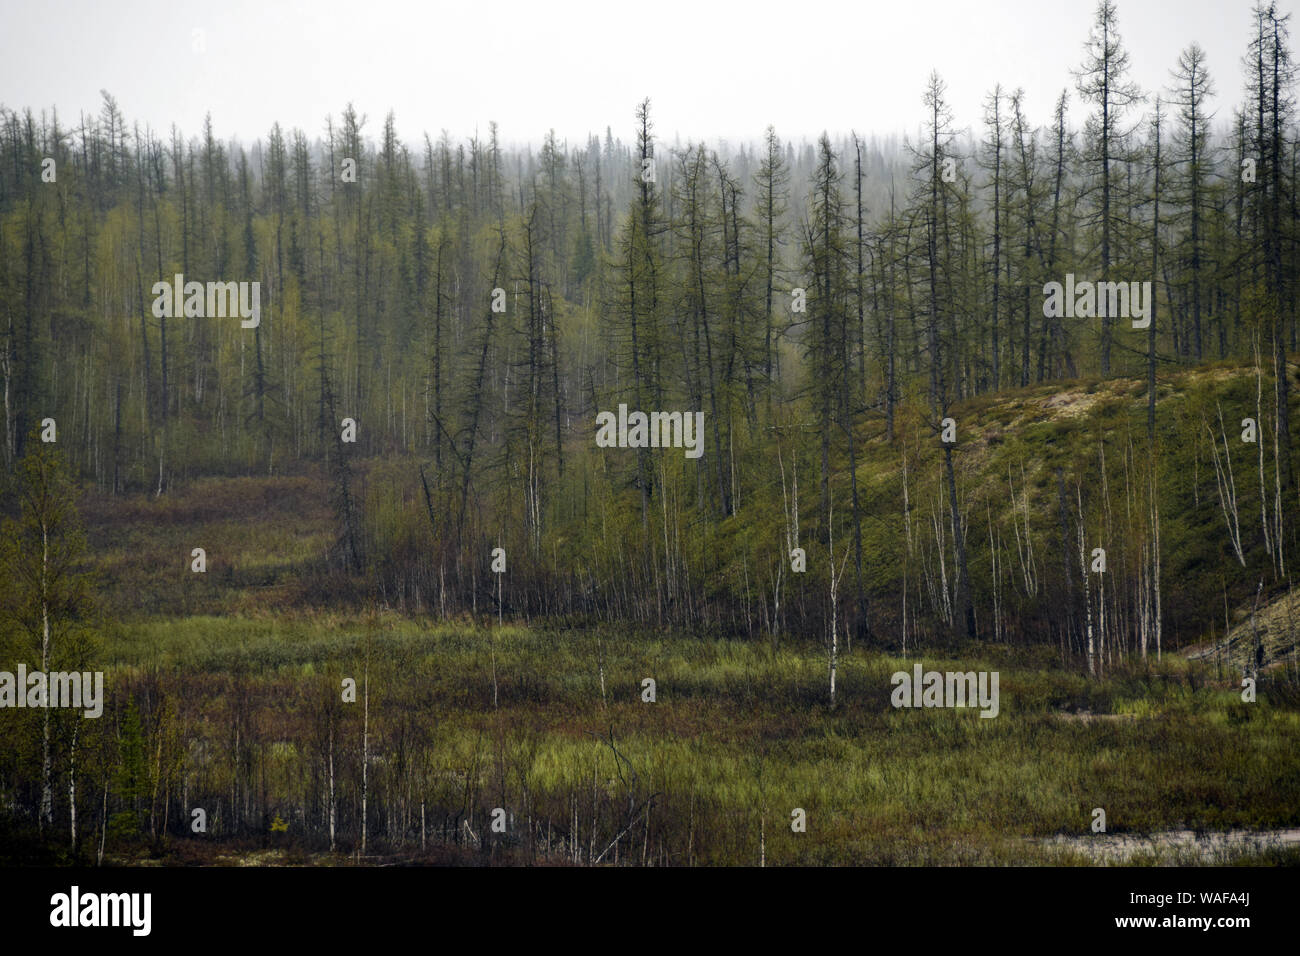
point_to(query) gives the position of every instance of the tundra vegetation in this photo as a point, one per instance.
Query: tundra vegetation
(364, 585)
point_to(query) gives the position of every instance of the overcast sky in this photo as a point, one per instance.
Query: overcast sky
(712, 69)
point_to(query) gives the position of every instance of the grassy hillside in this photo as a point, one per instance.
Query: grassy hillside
(267, 537)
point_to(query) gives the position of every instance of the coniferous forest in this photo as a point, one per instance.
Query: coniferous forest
(439, 499)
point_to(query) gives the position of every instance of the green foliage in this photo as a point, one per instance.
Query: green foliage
(131, 783)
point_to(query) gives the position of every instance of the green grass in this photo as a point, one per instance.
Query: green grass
(738, 727)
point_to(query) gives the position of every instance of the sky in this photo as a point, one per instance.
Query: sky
(716, 70)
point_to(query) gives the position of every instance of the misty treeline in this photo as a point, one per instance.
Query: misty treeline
(671, 278)
(663, 277)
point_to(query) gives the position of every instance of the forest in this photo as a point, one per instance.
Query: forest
(303, 449)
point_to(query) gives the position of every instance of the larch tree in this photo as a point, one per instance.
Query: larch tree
(1193, 153)
(1102, 81)
(770, 184)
